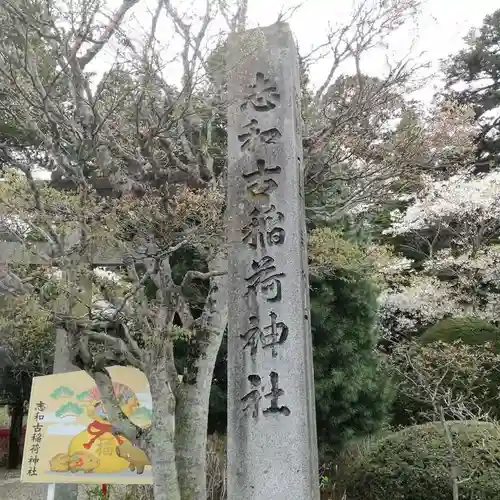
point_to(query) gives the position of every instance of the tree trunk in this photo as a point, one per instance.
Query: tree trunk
(161, 440)
(191, 442)
(16, 426)
(193, 400)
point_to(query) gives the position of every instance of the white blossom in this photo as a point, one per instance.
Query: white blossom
(465, 284)
(480, 267)
(104, 309)
(461, 198)
(425, 295)
(394, 266)
(424, 301)
(104, 273)
(491, 309)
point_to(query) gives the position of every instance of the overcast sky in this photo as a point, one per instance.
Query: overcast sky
(439, 32)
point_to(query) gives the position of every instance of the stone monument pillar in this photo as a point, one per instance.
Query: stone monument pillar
(272, 447)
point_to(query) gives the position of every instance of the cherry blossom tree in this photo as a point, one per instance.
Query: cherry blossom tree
(455, 224)
(464, 208)
(407, 310)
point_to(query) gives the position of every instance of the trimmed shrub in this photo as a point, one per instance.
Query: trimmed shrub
(414, 464)
(470, 331)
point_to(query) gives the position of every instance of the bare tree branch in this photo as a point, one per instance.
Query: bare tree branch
(109, 31)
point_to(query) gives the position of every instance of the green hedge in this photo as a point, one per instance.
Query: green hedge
(413, 464)
(470, 331)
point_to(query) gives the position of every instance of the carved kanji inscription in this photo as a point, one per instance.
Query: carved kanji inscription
(274, 395)
(270, 336)
(261, 181)
(266, 279)
(252, 400)
(265, 228)
(253, 135)
(264, 96)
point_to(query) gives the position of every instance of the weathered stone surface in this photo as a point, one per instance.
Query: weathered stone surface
(272, 448)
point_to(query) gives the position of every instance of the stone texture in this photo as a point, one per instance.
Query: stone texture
(272, 447)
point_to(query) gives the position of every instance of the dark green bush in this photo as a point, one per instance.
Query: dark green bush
(414, 464)
(470, 331)
(352, 393)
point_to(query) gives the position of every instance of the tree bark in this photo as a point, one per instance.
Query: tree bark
(16, 426)
(193, 400)
(191, 441)
(161, 439)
